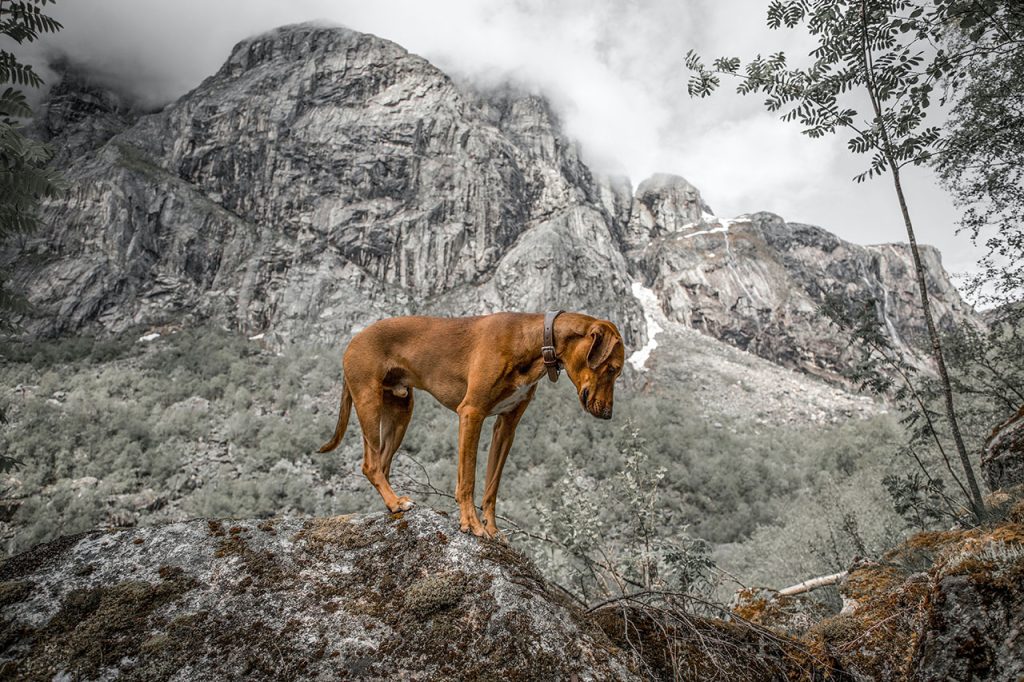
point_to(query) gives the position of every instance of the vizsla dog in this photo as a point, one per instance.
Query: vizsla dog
(476, 367)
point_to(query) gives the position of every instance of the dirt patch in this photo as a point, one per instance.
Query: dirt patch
(321, 536)
(435, 592)
(263, 566)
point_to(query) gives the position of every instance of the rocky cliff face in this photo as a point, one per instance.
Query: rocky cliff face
(757, 282)
(324, 178)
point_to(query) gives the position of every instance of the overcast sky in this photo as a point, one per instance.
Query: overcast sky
(613, 68)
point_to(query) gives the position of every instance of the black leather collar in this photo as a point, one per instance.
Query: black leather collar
(548, 349)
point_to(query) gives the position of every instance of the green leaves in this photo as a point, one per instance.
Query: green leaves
(24, 21)
(25, 179)
(13, 105)
(981, 159)
(873, 47)
(787, 14)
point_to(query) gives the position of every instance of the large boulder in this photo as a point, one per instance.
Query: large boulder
(367, 597)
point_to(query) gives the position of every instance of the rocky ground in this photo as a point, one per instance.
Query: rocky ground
(370, 597)
(407, 596)
(732, 384)
(944, 605)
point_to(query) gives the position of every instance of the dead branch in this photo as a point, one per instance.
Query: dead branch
(812, 584)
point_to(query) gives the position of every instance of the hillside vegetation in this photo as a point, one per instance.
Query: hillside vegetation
(201, 422)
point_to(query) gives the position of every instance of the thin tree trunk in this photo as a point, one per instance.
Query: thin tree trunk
(977, 502)
(954, 425)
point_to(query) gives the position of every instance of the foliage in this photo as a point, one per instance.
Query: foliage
(25, 178)
(205, 423)
(638, 549)
(876, 46)
(982, 156)
(881, 49)
(986, 371)
(921, 500)
(825, 529)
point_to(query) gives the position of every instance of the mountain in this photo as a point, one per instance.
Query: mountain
(323, 178)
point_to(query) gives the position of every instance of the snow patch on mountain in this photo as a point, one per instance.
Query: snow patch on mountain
(653, 317)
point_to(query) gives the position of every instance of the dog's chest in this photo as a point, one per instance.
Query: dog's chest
(517, 396)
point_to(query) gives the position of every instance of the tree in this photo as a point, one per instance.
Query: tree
(982, 158)
(881, 51)
(25, 178)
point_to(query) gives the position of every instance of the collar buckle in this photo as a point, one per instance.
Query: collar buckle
(547, 351)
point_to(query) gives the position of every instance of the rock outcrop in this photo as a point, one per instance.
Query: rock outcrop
(758, 282)
(944, 605)
(407, 596)
(323, 178)
(368, 597)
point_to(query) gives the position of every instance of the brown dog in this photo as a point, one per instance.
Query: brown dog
(476, 367)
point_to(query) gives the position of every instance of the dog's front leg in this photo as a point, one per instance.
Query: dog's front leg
(470, 421)
(501, 443)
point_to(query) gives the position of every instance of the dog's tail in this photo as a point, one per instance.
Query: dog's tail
(343, 412)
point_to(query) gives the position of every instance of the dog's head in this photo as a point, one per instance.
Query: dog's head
(593, 366)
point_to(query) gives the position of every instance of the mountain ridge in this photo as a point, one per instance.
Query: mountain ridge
(323, 178)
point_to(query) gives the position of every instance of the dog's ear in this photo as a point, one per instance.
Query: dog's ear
(603, 340)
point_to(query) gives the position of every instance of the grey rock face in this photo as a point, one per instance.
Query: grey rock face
(664, 204)
(368, 597)
(757, 282)
(324, 178)
(321, 179)
(973, 631)
(81, 115)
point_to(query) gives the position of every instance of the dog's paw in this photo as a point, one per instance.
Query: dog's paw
(491, 530)
(474, 526)
(405, 503)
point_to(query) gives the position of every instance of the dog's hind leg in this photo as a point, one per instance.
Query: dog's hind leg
(370, 409)
(394, 421)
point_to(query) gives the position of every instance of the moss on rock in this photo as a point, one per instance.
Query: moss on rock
(97, 627)
(435, 592)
